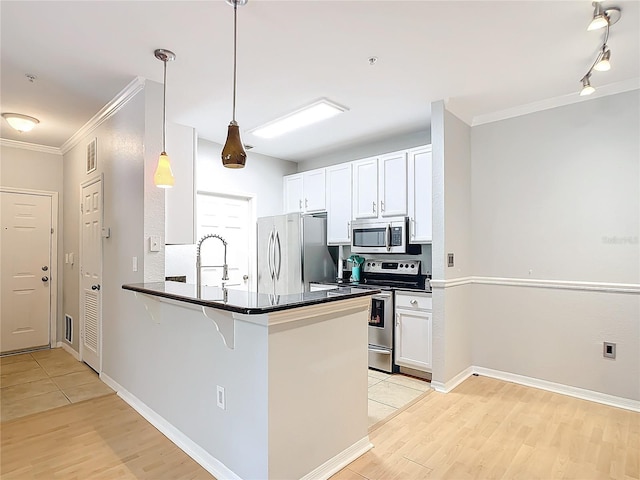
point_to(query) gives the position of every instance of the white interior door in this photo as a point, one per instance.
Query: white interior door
(230, 217)
(91, 275)
(25, 269)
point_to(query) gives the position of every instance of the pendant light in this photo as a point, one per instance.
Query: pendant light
(233, 154)
(163, 177)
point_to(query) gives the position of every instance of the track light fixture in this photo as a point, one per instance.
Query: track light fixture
(602, 18)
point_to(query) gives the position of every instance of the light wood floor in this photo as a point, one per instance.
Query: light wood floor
(484, 429)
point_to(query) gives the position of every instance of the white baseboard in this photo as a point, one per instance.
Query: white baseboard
(606, 399)
(188, 446)
(453, 383)
(67, 348)
(337, 463)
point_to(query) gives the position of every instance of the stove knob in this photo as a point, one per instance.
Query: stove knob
(413, 266)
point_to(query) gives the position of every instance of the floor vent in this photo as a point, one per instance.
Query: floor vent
(68, 328)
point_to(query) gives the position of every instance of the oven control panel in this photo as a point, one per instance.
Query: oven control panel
(393, 267)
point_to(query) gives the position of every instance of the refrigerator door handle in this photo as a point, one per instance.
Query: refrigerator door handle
(279, 255)
(269, 254)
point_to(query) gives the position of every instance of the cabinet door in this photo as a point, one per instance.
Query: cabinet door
(180, 223)
(313, 186)
(293, 193)
(339, 204)
(392, 171)
(365, 188)
(420, 195)
(413, 339)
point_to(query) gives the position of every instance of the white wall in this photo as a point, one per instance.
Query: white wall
(452, 234)
(261, 176)
(556, 196)
(37, 170)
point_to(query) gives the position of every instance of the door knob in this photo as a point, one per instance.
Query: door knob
(245, 277)
(45, 268)
(95, 287)
(45, 279)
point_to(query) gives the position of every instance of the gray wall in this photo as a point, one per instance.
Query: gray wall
(369, 149)
(34, 170)
(556, 197)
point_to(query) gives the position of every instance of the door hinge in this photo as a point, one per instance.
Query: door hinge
(81, 208)
(52, 230)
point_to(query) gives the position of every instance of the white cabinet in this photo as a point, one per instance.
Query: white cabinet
(392, 187)
(305, 192)
(380, 186)
(180, 200)
(420, 195)
(413, 330)
(338, 179)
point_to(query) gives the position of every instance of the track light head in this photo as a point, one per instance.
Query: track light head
(603, 65)
(603, 18)
(587, 89)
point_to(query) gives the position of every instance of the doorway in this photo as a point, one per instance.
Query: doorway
(28, 269)
(233, 218)
(91, 274)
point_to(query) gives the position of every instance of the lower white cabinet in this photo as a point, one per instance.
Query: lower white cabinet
(413, 330)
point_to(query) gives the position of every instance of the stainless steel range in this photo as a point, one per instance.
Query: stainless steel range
(387, 275)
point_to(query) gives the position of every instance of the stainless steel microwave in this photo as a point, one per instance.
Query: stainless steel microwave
(382, 235)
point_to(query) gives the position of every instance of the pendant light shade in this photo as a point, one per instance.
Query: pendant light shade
(587, 89)
(163, 177)
(233, 153)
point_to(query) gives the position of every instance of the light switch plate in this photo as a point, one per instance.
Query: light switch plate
(154, 243)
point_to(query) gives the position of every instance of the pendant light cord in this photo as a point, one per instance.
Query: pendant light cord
(235, 39)
(164, 106)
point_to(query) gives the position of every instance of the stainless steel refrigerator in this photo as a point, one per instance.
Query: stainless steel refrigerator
(292, 251)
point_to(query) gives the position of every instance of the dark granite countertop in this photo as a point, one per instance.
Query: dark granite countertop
(240, 301)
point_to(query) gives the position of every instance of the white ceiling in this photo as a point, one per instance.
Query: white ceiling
(481, 57)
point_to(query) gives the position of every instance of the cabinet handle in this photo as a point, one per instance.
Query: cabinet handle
(412, 227)
(306, 203)
(397, 319)
(374, 207)
(349, 230)
(413, 302)
(381, 206)
(300, 204)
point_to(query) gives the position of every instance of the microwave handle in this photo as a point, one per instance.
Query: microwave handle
(388, 237)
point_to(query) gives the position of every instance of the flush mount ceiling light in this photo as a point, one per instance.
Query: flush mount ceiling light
(316, 112)
(163, 176)
(233, 154)
(601, 18)
(21, 123)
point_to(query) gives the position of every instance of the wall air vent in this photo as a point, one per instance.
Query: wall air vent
(68, 328)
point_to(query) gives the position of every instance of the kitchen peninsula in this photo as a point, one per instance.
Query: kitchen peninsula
(260, 386)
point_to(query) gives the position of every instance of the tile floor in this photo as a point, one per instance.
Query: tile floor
(38, 381)
(389, 392)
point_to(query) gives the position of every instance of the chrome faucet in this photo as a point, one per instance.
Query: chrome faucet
(199, 266)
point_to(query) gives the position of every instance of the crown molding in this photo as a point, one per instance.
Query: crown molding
(119, 101)
(603, 91)
(5, 142)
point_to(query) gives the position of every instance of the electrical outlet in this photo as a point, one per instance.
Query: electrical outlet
(220, 397)
(609, 350)
(450, 260)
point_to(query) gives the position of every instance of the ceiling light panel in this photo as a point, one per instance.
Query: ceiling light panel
(316, 112)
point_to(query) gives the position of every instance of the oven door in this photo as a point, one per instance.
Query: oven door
(381, 320)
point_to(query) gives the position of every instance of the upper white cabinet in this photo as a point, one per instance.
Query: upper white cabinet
(338, 179)
(365, 188)
(305, 192)
(420, 195)
(392, 169)
(180, 199)
(380, 186)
